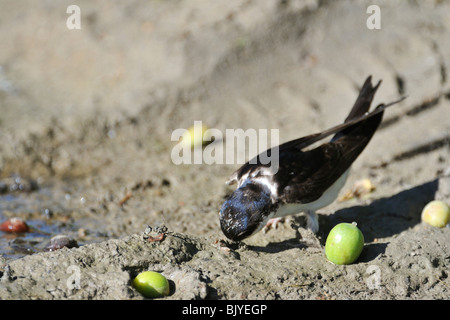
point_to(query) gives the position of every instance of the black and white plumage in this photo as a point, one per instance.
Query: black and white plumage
(306, 180)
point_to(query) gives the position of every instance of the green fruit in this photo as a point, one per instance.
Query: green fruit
(436, 213)
(344, 243)
(195, 136)
(151, 284)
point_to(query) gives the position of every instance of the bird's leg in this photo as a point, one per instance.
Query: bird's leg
(312, 221)
(272, 223)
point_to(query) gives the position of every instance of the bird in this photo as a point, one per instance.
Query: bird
(306, 179)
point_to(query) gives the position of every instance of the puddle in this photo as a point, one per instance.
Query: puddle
(48, 212)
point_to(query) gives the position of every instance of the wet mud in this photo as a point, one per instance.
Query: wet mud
(86, 122)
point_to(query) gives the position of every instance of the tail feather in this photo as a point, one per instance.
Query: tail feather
(365, 97)
(362, 103)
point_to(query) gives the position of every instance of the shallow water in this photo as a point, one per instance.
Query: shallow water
(46, 211)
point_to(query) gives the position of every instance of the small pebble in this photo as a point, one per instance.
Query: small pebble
(61, 241)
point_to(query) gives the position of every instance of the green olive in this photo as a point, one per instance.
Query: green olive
(436, 213)
(151, 284)
(195, 136)
(344, 243)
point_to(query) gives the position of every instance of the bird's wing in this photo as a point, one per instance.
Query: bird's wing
(255, 167)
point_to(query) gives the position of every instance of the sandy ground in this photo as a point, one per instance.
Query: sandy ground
(86, 122)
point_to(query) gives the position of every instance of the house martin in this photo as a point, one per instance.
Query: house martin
(305, 179)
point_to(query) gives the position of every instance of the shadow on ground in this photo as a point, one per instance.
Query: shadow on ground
(377, 219)
(383, 218)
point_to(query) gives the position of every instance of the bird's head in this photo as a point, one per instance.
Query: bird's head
(246, 211)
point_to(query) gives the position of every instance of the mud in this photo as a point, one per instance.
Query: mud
(86, 123)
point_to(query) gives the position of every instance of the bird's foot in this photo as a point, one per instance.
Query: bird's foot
(272, 224)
